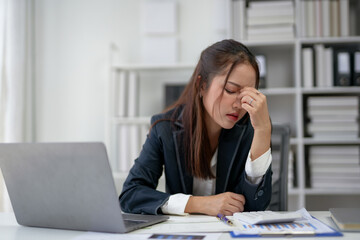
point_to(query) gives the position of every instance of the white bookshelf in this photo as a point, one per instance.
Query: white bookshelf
(285, 94)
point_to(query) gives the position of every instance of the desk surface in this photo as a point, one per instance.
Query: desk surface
(10, 230)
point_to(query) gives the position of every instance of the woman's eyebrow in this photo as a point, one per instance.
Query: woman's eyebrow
(237, 85)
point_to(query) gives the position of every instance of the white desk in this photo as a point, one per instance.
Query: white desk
(10, 230)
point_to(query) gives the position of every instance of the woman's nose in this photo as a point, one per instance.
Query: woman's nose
(237, 103)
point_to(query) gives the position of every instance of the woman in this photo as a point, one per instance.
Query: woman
(213, 143)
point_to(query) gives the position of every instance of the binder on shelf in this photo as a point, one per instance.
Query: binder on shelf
(329, 67)
(356, 69)
(319, 65)
(342, 68)
(308, 67)
(325, 17)
(344, 18)
(261, 59)
(334, 18)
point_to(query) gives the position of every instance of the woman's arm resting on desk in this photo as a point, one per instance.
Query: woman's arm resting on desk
(225, 203)
(228, 203)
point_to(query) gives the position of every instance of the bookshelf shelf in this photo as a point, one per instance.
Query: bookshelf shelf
(285, 91)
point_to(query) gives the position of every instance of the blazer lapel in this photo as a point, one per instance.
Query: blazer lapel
(229, 143)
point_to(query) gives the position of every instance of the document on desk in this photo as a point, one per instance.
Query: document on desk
(131, 236)
(307, 226)
(190, 224)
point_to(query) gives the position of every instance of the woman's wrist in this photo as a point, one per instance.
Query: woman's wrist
(195, 204)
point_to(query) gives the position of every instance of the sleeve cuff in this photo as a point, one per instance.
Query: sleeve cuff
(176, 204)
(256, 169)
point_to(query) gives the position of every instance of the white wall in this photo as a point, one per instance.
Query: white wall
(73, 39)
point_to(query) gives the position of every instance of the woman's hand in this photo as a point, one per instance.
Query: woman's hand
(225, 203)
(254, 102)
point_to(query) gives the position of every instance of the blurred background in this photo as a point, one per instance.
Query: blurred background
(96, 70)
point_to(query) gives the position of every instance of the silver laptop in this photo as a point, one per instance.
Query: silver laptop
(65, 186)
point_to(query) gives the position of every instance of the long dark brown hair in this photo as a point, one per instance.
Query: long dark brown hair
(213, 61)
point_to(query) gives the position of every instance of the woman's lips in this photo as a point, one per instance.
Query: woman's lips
(233, 116)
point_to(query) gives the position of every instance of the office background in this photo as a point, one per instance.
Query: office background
(74, 44)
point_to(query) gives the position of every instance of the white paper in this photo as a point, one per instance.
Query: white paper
(131, 236)
(306, 225)
(190, 224)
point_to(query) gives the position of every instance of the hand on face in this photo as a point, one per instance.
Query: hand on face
(254, 102)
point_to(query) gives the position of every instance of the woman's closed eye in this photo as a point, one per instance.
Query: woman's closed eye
(229, 91)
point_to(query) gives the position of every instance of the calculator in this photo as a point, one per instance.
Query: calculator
(263, 217)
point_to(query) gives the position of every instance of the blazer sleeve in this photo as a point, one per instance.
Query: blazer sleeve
(139, 194)
(257, 196)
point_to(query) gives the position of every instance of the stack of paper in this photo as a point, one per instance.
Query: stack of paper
(334, 167)
(270, 20)
(333, 116)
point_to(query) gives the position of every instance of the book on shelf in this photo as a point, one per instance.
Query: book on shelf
(347, 219)
(325, 14)
(308, 67)
(318, 18)
(344, 17)
(334, 19)
(328, 67)
(326, 18)
(319, 65)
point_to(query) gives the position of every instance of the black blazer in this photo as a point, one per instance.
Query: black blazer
(163, 149)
